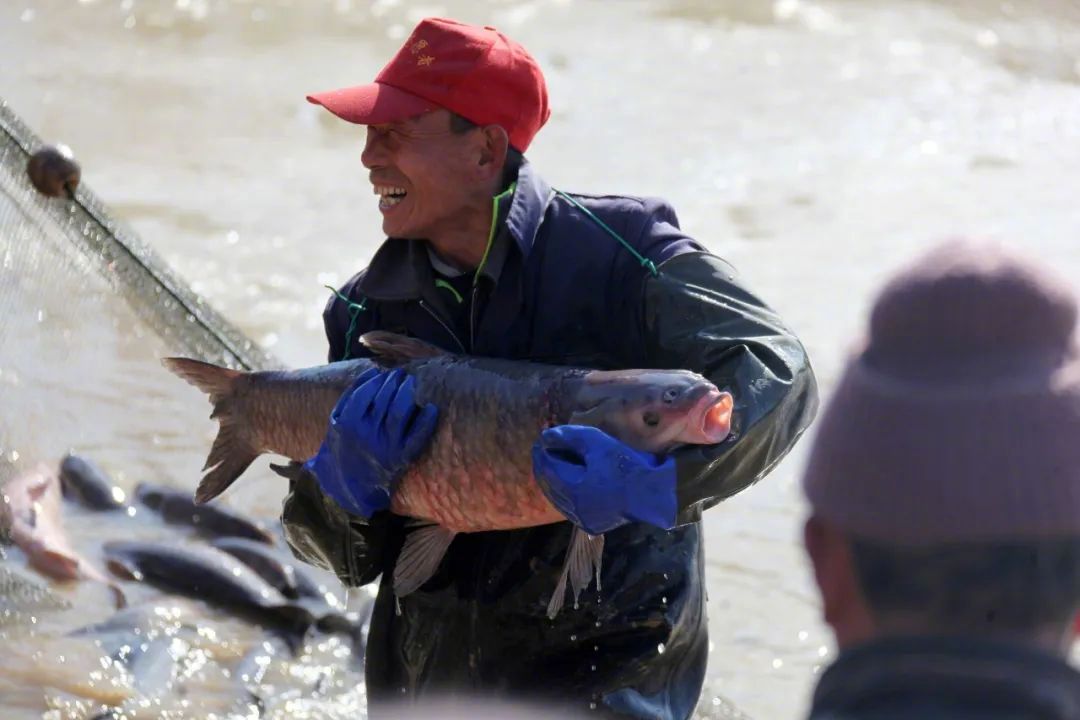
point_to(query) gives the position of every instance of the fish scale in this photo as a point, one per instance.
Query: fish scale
(448, 486)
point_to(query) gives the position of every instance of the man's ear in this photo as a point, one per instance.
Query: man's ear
(495, 143)
(842, 603)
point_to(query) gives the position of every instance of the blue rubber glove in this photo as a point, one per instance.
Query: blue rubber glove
(375, 431)
(600, 483)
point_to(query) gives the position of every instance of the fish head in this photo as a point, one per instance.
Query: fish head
(149, 495)
(654, 410)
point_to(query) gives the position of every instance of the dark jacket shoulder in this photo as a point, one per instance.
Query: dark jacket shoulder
(947, 678)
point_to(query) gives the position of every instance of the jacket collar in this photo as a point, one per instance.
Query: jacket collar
(944, 668)
(531, 198)
(401, 269)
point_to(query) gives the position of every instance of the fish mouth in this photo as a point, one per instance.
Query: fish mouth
(715, 409)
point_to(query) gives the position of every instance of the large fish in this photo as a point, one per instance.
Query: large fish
(476, 473)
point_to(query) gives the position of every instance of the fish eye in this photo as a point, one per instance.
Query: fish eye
(670, 394)
(651, 418)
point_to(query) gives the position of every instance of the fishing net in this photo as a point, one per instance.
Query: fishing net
(86, 312)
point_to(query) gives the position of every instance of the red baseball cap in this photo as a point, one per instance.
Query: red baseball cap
(476, 72)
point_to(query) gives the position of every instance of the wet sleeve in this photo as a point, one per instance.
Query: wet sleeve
(322, 534)
(696, 315)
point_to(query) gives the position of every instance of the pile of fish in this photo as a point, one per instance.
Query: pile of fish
(228, 566)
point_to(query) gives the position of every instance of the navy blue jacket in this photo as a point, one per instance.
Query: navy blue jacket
(556, 286)
(947, 678)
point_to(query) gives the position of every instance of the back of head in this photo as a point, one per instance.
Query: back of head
(950, 451)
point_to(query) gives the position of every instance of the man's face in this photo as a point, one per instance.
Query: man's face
(424, 174)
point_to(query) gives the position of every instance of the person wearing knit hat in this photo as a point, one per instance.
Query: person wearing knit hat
(944, 490)
(483, 257)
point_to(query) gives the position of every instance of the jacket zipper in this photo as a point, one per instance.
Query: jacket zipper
(444, 325)
(472, 317)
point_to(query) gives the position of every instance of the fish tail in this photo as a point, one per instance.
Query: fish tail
(230, 456)
(232, 452)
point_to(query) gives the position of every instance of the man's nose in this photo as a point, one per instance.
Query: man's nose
(374, 154)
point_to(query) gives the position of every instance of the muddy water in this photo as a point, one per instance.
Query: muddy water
(815, 145)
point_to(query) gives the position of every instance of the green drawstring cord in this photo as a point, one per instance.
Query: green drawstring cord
(440, 283)
(645, 262)
(354, 312)
(356, 308)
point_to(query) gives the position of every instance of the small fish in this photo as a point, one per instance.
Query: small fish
(85, 482)
(177, 507)
(476, 473)
(30, 514)
(291, 579)
(281, 570)
(212, 576)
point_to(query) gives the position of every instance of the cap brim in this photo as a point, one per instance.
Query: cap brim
(372, 104)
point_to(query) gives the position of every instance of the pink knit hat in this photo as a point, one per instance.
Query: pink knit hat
(959, 419)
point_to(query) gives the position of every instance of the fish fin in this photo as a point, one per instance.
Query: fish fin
(559, 596)
(121, 569)
(582, 564)
(420, 557)
(119, 599)
(394, 348)
(68, 564)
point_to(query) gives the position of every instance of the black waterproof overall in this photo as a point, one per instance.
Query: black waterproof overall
(557, 286)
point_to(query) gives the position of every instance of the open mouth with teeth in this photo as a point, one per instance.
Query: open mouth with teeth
(389, 195)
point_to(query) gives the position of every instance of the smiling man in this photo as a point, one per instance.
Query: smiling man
(483, 257)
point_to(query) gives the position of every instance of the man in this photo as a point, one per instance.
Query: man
(483, 257)
(944, 484)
